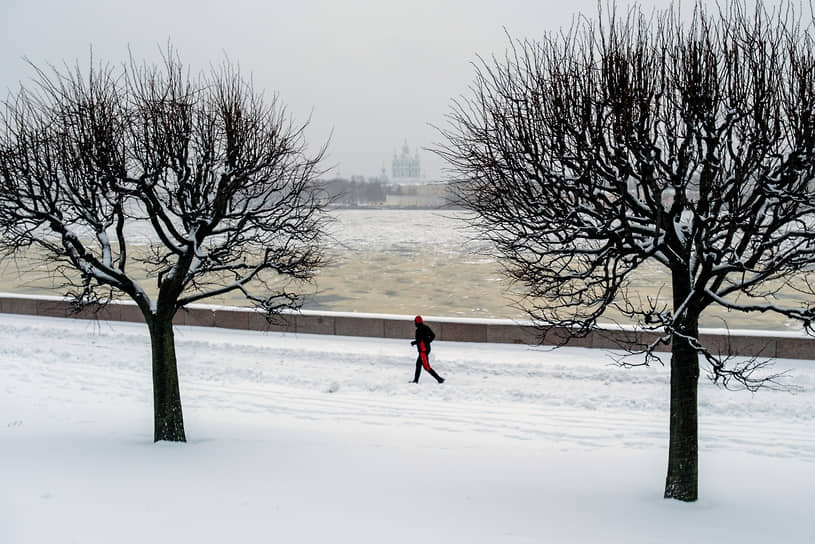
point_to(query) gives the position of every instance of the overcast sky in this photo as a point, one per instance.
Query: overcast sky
(375, 72)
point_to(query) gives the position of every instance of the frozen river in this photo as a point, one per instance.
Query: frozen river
(419, 262)
(431, 262)
(409, 262)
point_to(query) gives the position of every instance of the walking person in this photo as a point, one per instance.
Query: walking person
(424, 336)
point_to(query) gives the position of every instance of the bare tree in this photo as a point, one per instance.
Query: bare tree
(216, 176)
(685, 140)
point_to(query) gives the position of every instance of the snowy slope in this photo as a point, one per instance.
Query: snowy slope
(301, 438)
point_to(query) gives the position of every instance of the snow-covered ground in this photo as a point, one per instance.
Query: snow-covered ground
(313, 439)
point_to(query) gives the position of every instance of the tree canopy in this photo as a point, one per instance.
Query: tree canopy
(682, 139)
(200, 182)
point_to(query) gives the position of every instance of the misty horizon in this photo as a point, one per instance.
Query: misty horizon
(369, 75)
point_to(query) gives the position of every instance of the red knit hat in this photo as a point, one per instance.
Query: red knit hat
(418, 320)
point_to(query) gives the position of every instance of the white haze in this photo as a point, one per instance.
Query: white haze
(373, 72)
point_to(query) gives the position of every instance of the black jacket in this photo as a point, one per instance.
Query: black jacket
(424, 335)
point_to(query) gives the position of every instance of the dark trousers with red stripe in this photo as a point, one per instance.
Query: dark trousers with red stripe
(423, 362)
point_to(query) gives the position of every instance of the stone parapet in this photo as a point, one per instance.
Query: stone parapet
(763, 344)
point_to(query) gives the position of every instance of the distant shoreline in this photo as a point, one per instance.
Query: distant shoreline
(386, 207)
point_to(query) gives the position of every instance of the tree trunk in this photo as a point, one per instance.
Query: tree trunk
(683, 452)
(168, 418)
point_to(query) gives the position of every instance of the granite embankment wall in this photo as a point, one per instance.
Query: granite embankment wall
(767, 344)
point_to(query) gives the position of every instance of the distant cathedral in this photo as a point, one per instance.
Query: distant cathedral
(405, 167)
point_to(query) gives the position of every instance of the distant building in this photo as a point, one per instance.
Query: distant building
(406, 168)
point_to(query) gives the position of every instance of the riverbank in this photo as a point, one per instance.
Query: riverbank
(411, 262)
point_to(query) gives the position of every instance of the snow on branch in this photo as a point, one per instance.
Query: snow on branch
(216, 179)
(600, 148)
